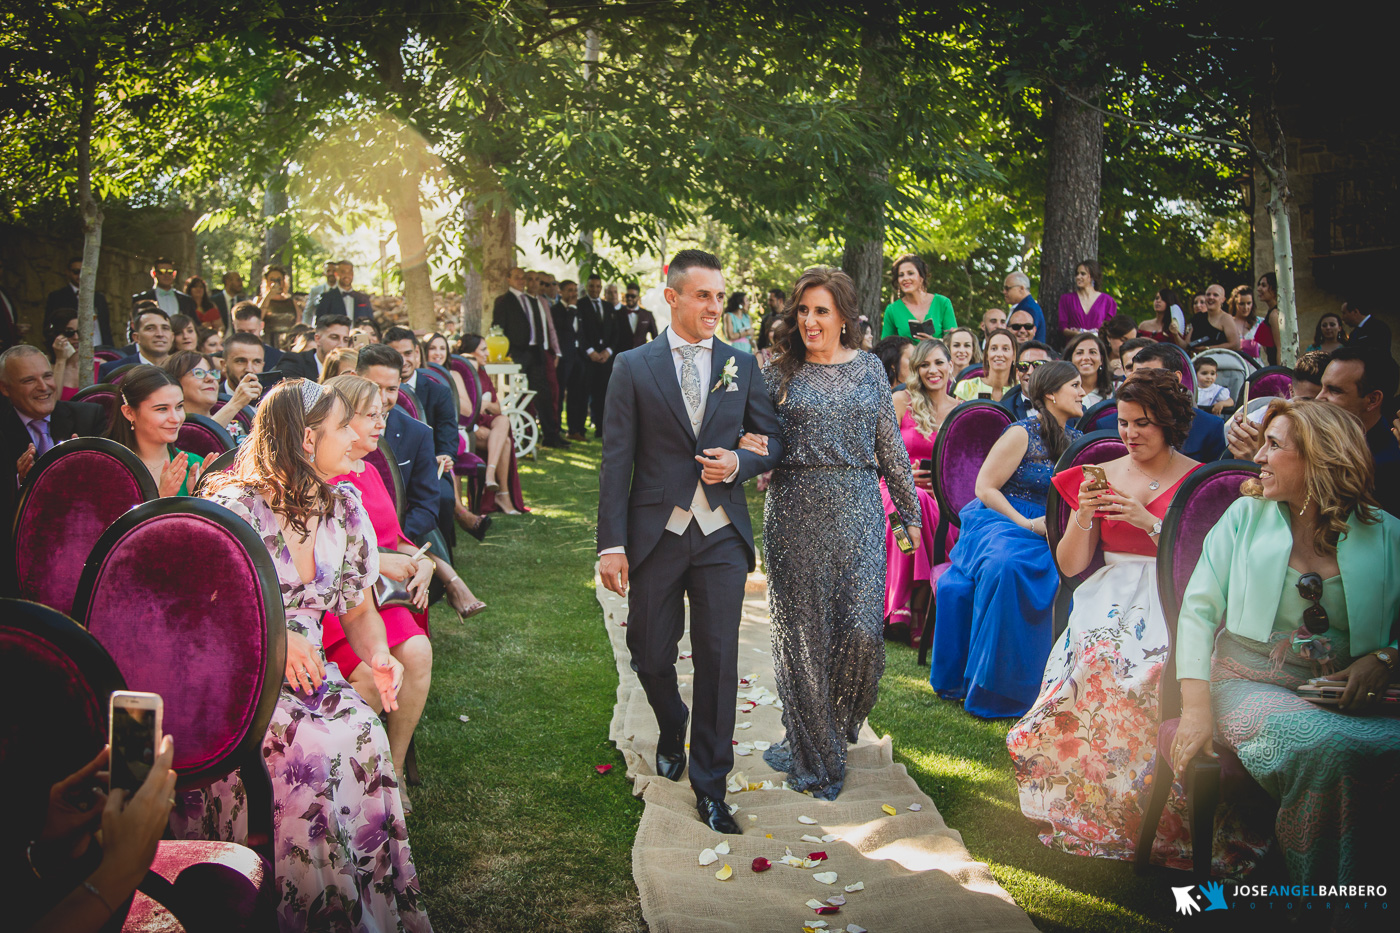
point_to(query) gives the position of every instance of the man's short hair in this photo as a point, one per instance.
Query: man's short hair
(1050, 353)
(16, 352)
(145, 308)
(397, 333)
(1203, 361)
(1021, 279)
(326, 321)
(1137, 343)
(632, 287)
(379, 354)
(246, 310)
(683, 262)
(162, 261)
(224, 279)
(77, 259)
(241, 336)
(1379, 372)
(1310, 366)
(1169, 355)
(594, 277)
(777, 293)
(345, 262)
(567, 282)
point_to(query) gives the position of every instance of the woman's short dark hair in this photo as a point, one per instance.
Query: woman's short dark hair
(917, 262)
(205, 302)
(179, 323)
(1272, 279)
(202, 334)
(137, 386)
(1046, 379)
(55, 323)
(789, 350)
(735, 302)
(1095, 270)
(181, 363)
(1119, 326)
(890, 350)
(1167, 403)
(468, 344)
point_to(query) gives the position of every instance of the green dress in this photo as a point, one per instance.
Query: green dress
(194, 460)
(898, 318)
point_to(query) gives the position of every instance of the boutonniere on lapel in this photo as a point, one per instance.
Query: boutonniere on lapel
(727, 376)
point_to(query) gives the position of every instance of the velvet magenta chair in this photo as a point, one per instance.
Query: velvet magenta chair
(962, 445)
(219, 463)
(66, 676)
(384, 461)
(100, 393)
(117, 375)
(408, 401)
(1094, 447)
(1188, 378)
(185, 597)
(69, 498)
(204, 436)
(106, 354)
(471, 379)
(437, 373)
(244, 417)
(1196, 506)
(1271, 380)
(1102, 416)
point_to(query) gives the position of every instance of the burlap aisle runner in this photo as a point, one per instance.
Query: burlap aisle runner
(915, 872)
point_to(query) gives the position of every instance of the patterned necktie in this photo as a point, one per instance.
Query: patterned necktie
(690, 376)
(39, 428)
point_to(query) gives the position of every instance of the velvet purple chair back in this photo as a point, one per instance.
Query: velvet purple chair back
(64, 678)
(438, 373)
(204, 436)
(1093, 447)
(408, 401)
(1188, 378)
(1102, 416)
(117, 375)
(219, 463)
(1271, 380)
(383, 460)
(962, 445)
(100, 393)
(69, 498)
(106, 356)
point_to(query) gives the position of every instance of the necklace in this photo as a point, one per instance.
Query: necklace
(1154, 484)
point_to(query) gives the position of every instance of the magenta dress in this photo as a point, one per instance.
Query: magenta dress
(1072, 312)
(905, 571)
(399, 624)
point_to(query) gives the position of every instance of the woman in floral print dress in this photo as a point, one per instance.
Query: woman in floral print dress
(342, 860)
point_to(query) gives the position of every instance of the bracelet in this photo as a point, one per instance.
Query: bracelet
(92, 889)
(1081, 527)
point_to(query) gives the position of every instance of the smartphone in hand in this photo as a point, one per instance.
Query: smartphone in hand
(135, 735)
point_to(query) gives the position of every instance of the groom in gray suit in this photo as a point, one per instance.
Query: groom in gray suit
(673, 521)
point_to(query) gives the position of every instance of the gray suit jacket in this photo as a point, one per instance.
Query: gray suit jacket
(649, 449)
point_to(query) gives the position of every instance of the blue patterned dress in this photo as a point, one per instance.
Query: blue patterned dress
(992, 632)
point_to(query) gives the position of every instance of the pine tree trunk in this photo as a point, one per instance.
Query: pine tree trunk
(413, 253)
(1071, 197)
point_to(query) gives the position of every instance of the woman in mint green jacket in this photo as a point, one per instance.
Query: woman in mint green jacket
(916, 311)
(1304, 572)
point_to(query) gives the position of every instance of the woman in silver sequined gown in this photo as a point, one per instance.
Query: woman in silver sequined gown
(824, 529)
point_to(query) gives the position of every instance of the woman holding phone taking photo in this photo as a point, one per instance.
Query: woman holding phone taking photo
(339, 835)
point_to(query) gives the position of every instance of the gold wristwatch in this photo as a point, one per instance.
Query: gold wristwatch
(1386, 656)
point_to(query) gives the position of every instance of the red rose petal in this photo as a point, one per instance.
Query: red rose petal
(761, 864)
(828, 910)
(602, 769)
(817, 856)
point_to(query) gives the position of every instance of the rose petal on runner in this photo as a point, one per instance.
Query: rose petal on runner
(825, 877)
(830, 837)
(761, 864)
(828, 910)
(836, 900)
(725, 873)
(814, 903)
(916, 807)
(816, 856)
(708, 857)
(853, 928)
(853, 888)
(760, 745)
(743, 725)
(722, 849)
(888, 809)
(807, 820)
(809, 838)
(602, 769)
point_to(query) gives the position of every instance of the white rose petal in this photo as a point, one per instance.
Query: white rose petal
(708, 857)
(916, 807)
(853, 888)
(825, 877)
(760, 745)
(814, 903)
(807, 820)
(853, 928)
(806, 838)
(830, 837)
(722, 849)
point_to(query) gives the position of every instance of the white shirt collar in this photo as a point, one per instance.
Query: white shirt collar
(517, 292)
(1363, 321)
(676, 341)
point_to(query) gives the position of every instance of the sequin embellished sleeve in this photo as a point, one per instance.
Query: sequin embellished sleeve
(891, 454)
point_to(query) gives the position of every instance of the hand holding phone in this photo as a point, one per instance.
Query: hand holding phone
(269, 379)
(1098, 477)
(135, 730)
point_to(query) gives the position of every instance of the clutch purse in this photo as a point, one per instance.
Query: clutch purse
(389, 593)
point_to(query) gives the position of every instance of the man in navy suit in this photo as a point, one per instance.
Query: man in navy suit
(435, 397)
(153, 340)
(343, 299)
(1364, 324)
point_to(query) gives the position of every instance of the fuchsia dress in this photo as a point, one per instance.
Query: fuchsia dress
(399, 624)
(904, 571)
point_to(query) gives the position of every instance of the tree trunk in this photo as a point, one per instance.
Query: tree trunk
(92, 236)
(472, 308)
(497, 256)
(1071, 197)
(277, 236)
(1279, 199)
(413, 253)
(864, 256)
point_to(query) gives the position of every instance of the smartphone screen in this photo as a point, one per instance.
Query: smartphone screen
(271, 379)
(926, 465)
(134, 730)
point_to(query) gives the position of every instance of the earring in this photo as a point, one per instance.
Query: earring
(1305, 505)
(843, 328)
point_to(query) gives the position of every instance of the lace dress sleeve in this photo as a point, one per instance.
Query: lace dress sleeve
(890, 453)
(360, 567)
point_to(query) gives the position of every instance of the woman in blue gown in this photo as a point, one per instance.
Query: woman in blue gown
(993, 625)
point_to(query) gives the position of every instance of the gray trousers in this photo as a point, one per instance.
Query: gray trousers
(711, 572)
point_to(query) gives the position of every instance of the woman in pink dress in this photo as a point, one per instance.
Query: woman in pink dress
(921, 408)
(1085, 308)
(405, 631)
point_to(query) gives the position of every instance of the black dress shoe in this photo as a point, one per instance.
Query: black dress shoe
(670, 753)
(556, 442)
(478, 531)
(715, 814)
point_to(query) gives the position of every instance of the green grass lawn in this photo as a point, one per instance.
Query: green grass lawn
(513, 829)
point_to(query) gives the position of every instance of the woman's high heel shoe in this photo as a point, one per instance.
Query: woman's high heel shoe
(477, 531)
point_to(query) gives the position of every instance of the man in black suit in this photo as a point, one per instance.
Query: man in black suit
(332, 333)
(596, 347)
(525, 322)
(248, 319)
(227, 298)
(1364, 324)
(571, 372)
(343, 299)
(164, 293)
(66, 298)
(636, 325)
(151, 327)
(32, 421)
